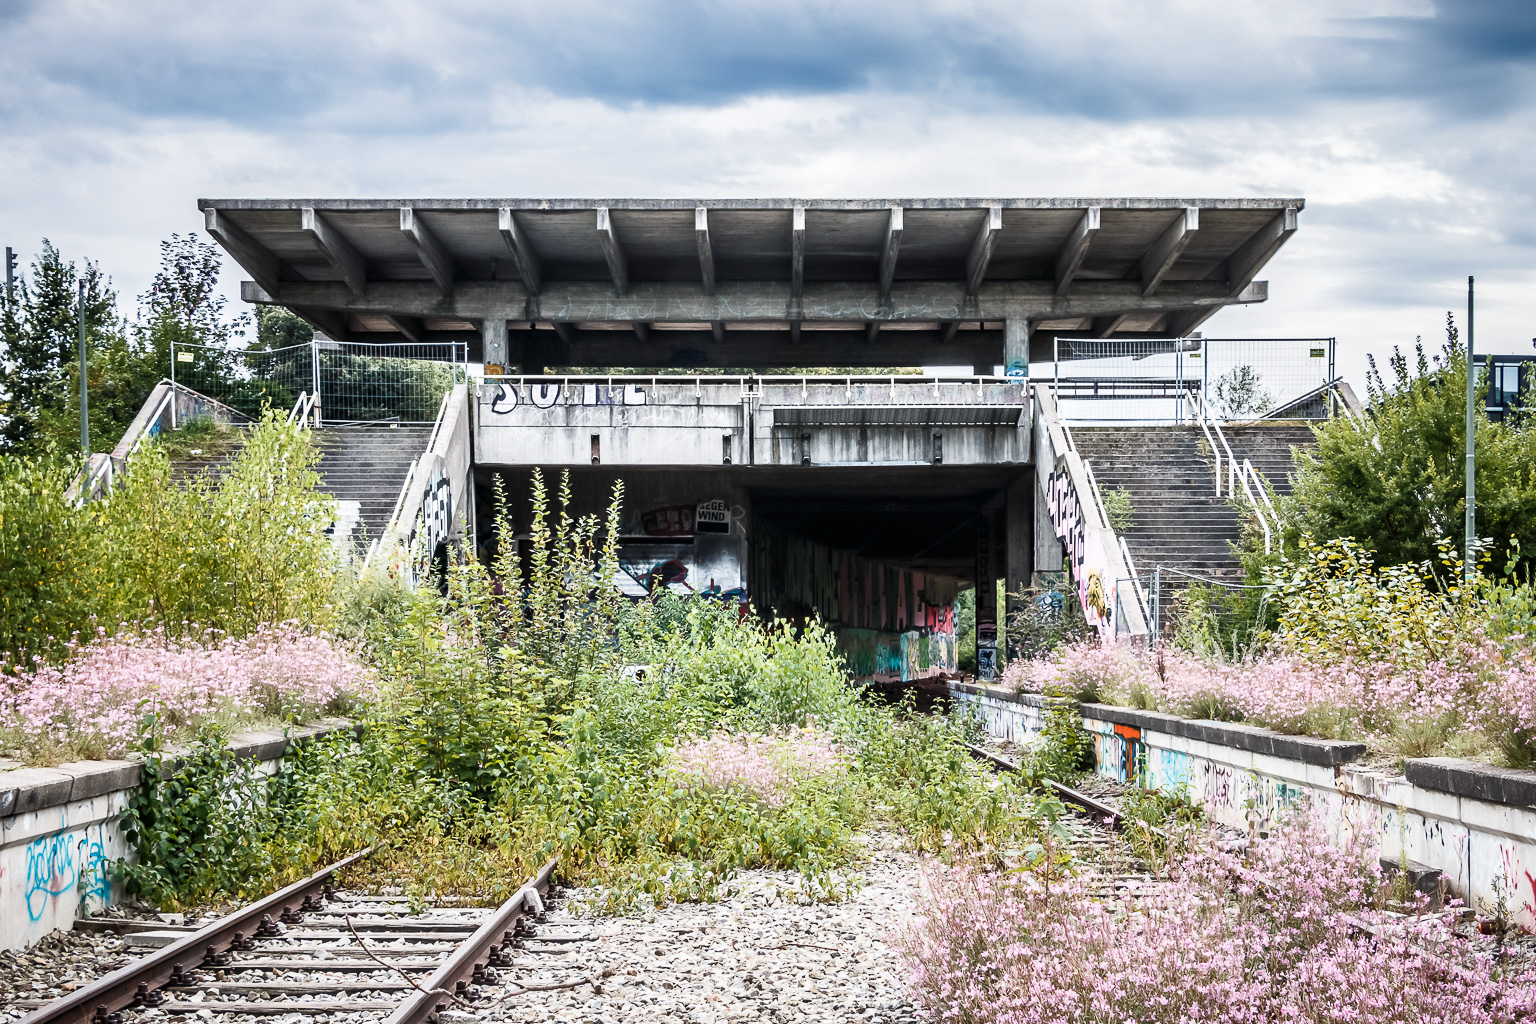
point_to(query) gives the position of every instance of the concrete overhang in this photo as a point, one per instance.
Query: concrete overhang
(546, 282)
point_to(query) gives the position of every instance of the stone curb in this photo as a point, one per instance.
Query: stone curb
(23, 790)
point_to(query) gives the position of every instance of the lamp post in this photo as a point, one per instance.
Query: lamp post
(1470, 564)
(85, 415)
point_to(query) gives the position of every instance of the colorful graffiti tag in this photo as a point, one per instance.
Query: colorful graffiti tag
(1066, 512)
(66, 863)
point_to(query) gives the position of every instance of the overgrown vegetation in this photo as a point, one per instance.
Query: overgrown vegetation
(227, 554)
(1118, 509)
(525, 710)
(1267, 933)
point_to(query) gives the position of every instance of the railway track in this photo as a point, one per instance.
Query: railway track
(312, 949)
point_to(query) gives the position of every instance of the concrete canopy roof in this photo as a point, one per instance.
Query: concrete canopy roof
(590, 280)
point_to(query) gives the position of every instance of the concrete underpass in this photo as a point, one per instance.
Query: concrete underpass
(850, 487)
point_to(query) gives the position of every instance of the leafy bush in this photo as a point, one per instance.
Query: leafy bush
(1118, 509)
(228, 554)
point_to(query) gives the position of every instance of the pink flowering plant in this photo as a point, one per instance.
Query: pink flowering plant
(769, 768)
(1378, 655)
(1281, 933)
(95, 704)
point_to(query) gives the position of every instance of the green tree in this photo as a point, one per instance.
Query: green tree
(41, 336)
(1394, 481)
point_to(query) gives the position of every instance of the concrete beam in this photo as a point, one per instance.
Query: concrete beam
(888, 253)
(718, 330)
(706, 251)
(981, 249)
(256, 258)
(1250, 257)
(618, 267)
(529, 267)
(414, 328)
(764, 349)
(1104, 326)
(328, 322)
(797, 253)
(341, 253)
(737, 301)
(565, 332)
(433, 256)
(1069, 258)
(871, 332)
(1165, 252)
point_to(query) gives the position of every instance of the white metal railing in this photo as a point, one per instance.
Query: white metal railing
(1240, 473)
(1098, 498)
(307, 407)
(753, 383)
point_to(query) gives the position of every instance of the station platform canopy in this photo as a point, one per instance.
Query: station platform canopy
(754, 283)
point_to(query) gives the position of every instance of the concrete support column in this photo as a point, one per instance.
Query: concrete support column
(1049, 552)
(1019, 541)
(1016, 348)
(493, 333)
(988, 565)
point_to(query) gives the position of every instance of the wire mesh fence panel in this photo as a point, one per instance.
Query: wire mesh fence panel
(1114, 380)
(1248, 378)
(361, 382)
(245, 379)
(1152, 379)
(1207, 616)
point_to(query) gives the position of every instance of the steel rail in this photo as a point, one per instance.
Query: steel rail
(118, 990)
(474, 950)
(1067, 793)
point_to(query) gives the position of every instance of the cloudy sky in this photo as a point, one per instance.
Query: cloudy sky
(1408, 126)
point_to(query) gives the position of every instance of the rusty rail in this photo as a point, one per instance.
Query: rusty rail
(119, 989)
(1067, 793)
(475, 950)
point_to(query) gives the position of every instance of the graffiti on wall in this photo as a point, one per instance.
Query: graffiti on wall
(71, 864)
(1067, 520)
(507, 397)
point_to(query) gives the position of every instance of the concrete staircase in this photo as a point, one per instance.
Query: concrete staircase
(367, 465)
(1180, 523)
(362, 467)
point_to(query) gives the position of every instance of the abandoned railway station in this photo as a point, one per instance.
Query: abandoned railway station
(851, 409)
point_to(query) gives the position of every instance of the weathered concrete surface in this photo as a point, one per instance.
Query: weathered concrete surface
(59, 834)
(1484, 844)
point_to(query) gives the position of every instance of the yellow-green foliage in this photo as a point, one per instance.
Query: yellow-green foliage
(227, 553)
(1335, 601)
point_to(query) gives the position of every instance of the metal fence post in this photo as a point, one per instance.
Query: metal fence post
(1157, 604)
(314, 373)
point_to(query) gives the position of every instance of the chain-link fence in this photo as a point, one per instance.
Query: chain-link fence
(245, 379)
(360, 382)
(1151, 379)
(355, 381)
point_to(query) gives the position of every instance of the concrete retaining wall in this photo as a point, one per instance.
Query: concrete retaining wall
(59, 834)
(1474, 824)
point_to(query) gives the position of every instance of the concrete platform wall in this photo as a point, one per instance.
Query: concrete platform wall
(1473, 823)
(59, 835)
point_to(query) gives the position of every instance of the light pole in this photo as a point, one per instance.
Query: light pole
(1470, 565)
(85, 415)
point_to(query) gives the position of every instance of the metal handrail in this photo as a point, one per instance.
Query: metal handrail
(394, 515)
(1199, 405)
(437, 424)
(1245, 472)
(1098, 498)
(303, 408)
